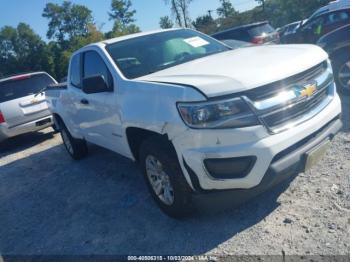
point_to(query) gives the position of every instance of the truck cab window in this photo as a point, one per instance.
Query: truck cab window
(94, 65)
(75, 78)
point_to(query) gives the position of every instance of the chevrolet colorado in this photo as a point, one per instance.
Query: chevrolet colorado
(199, 117)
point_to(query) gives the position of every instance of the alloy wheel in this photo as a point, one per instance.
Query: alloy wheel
(344, 75)
(159, 180)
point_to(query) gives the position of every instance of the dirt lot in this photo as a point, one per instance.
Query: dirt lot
(50, 204)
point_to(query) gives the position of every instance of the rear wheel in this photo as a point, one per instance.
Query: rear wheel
(164, 177)
(76, 148)
(342, 72)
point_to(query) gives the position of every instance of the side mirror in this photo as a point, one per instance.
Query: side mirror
(95, 84)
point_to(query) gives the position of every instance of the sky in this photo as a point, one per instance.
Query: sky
(148, 12)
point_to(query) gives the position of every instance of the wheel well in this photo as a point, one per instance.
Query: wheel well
(339, 52)
(57, 120)
(136, 136)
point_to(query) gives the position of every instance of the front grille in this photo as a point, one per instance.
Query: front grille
(281, 106)
(269, 90)
(296, 111)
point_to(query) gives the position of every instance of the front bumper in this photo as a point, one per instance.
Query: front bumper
(36, 125)
(194, 146)
(279, 171)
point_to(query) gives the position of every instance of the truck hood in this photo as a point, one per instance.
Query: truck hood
(241, 69)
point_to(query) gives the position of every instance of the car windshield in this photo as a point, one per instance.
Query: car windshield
(23, 86)
(144, 55)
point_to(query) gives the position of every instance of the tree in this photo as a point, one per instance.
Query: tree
(179, 9)
(67, 20)
(226, 9)
(61, 55)
(21, 50)
(123, 17)
(261, 2)
(121, 12)
(165, 22)
(205, 24)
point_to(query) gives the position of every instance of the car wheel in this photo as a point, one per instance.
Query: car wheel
(55, 128)
(342, 73)
(164, 177)
(76, 148)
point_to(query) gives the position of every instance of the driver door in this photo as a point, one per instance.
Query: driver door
(94, 109)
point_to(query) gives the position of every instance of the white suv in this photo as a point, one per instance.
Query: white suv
(199, 116)
(23, 107)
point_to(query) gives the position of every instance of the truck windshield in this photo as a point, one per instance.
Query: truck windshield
(22, 86)
(144, 55)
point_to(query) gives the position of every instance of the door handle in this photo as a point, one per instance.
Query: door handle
(84, 101)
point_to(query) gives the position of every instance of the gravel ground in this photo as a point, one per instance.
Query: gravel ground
(50, 204)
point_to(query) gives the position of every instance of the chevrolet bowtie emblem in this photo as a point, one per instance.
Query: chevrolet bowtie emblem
(306, 91)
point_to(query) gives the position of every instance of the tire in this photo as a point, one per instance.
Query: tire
(176, 202)
(341, 66)
(55, 128)
(76, 148)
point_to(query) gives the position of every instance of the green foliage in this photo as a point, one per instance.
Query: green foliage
(67, 20)
(165, 22)
(226, 9)
(121, 12)
(277, 12)
(205, 24)
(123, 17)
(21, 50)
(179, 9)
(61, 55)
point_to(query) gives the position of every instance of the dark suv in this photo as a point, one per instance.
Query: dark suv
(257, 33)
(319, 25)
(337, 44)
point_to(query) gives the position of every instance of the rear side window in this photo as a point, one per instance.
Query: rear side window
(14, 89)
(94, 65)
(260, 30)
(75, 78)
(337, 17)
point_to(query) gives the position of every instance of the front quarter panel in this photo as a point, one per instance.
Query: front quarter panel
(152, 106)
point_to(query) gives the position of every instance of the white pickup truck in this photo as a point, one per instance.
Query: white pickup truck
(199, 117)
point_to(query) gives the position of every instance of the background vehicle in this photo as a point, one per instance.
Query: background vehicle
(257, 33)
(198, 116)
(333, 5)
(236, 43)
(337, 45)
(21, 110)
(319, 25)
(287, 30)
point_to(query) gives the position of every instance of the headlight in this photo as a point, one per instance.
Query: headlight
(218, 114)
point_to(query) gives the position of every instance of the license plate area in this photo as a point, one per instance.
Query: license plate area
(43, 122)
(316, 154)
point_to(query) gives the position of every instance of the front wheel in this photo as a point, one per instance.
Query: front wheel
(342, 72)
(164, 177)
(76, 148)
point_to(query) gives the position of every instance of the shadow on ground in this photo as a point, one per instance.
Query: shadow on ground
(22, 142)
(50, 204)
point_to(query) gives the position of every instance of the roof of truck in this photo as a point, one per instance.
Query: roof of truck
(126, 37)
